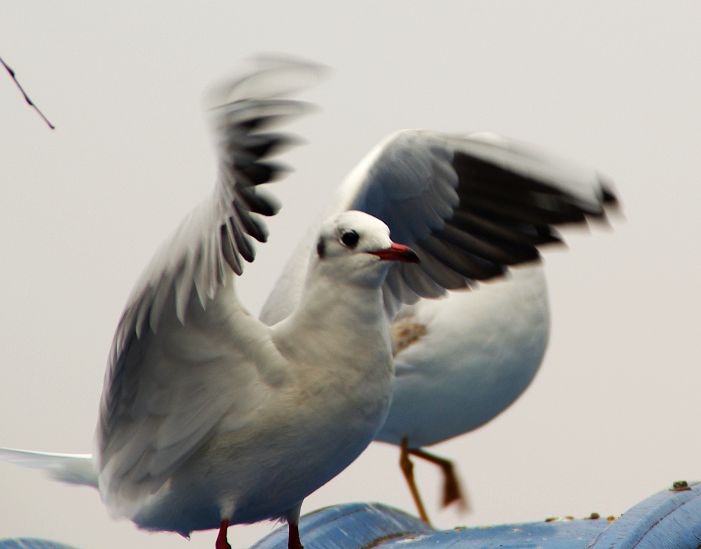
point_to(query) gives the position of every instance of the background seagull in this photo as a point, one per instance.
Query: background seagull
(469, 206)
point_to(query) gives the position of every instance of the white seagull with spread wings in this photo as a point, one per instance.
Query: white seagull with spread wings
(210, 417)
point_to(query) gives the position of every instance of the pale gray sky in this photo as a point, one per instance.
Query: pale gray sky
(611, 417)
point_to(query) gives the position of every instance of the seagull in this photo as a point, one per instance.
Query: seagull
(469, 205)
(210, 417)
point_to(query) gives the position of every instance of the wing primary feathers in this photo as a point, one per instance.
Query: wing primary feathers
(462, 261)
(230, 254)
(251, 225)
(476, 171)
(608, 196)
(243, 244)
(259, 122)
(500, 252)
(258, 202)
(470, 206)
(257, 173)
(262, 145)
(442, 274)
(508, 233)
(219, 262)
(513, 211)
(490, 185)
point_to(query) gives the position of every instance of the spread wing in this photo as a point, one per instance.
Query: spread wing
(186, 355)
(469, 205)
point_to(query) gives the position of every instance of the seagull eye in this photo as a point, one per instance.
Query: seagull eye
(350, 239)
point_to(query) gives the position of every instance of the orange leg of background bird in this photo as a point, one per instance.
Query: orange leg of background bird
(222, 543)
(407, 468)
(451, 486)
(293, 541)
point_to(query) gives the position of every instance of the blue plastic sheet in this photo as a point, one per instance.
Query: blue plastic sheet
(670, 519)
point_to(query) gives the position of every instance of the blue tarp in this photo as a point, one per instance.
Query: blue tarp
(670, 519)
(31, 543)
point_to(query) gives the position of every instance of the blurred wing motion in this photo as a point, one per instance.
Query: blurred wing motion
(469, 206)
(186, 354)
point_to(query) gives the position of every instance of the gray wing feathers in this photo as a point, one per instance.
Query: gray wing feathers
(175, 387)
(469, 205)
(584, 185)
(410, 176)
(181, 357)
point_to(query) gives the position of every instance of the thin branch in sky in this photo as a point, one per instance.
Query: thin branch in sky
(24, 94)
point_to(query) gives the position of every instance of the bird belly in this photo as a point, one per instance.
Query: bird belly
(481, 351)
(299, 441)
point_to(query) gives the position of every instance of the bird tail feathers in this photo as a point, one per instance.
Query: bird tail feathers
(70, 468)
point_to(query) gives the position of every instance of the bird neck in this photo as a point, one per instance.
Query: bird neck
(346, 319)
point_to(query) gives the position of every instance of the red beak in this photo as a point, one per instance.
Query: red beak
(397, 252)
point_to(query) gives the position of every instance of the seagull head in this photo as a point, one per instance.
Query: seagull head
(356, 247)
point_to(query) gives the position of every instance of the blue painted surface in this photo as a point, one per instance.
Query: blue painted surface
(667, 520)
(347, 526)
(31, 543)
(569, 534)
(332, 528)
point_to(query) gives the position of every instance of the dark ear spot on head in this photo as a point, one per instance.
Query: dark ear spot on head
(321, 248)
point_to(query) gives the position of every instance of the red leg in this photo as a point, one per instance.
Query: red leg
(222, 543)
(293, 541)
